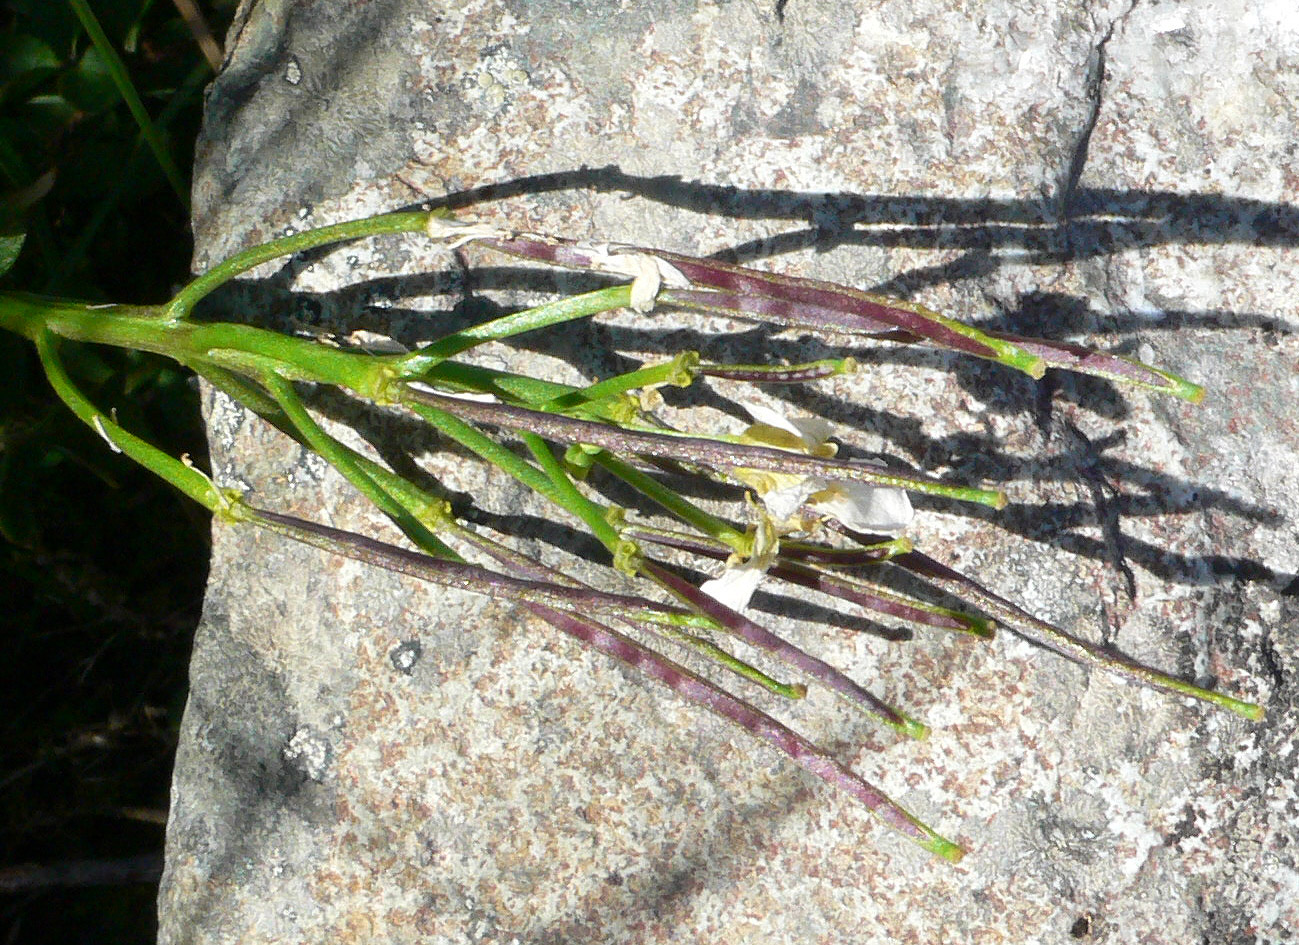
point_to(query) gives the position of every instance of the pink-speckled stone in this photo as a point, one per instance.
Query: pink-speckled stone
(367, 759)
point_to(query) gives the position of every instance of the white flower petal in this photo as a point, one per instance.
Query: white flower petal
(735, 586)
(645, 286)
(772, 418)
(813, 431)
(459, 232)
(648, 272)
(858, 505)
(784, 502)
(864, 507)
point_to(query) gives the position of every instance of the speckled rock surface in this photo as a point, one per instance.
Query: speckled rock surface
(366, 759)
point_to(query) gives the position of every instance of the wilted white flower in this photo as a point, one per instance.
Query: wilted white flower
(735, 586)
(457, 232)
(648, 272)
(859, 505)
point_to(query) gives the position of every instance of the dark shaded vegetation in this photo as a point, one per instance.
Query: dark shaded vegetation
(101, 565)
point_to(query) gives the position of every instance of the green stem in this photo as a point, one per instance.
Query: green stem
(344, 460)
(187, 479)
(234, 349)
(721, 452)
(517, 388)
(185, 300)
(781, 373)
(674, 502)
(559, 478)
(243, 391)
(415, 366)
(485, 447)
(739, 667)
(430, 511)
(679, 372)
(243, 348)
(1025, 625)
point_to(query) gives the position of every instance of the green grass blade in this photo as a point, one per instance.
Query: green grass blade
(117, 71)
(108, 204)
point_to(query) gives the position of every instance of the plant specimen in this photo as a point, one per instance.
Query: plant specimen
(812, 519)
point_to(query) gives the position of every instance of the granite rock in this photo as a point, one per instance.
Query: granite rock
(365, 758)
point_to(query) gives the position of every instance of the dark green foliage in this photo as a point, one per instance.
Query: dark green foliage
(101, 565)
